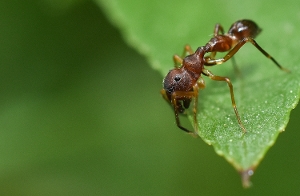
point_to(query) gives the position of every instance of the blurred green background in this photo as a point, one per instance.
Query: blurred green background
(81, 114)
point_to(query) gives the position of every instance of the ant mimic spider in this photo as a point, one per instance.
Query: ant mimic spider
(183, 83)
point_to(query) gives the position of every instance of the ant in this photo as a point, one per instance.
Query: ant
(183, 82)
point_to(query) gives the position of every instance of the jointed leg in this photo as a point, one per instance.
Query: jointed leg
(266, 54)
(217, 31)
(179, 95)
(211, 58)
(232, 52)
(227, 80)
(187, 49)
(178, 59)
(163, 93)
(220, 31)
(218, 28)
(199, 85)
(174, 104)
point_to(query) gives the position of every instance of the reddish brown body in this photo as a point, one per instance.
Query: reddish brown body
(182, 84)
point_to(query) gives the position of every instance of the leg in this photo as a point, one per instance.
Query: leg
(187, 49)
(218, 28)
(232, 52)
(211, 58)
(219, 78)
(178, 60)
(163, 93)
(179, 95)
(217, 31)
(199, 85)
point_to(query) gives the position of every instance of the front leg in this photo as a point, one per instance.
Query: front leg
(183, 95)
(178, 59)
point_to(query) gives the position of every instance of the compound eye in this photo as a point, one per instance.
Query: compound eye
(177, 78)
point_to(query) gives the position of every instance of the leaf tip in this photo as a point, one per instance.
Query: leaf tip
(245, 175)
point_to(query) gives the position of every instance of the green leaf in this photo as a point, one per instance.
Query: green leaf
(264, 94)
